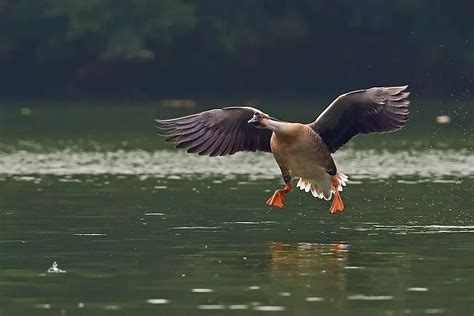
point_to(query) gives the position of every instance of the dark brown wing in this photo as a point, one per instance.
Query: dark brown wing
(216, 132)
(374, 110)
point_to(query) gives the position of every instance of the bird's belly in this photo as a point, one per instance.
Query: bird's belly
(302, 155)
(310, 169)
(301, 162)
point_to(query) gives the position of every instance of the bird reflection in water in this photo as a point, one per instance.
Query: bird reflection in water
(321, 267)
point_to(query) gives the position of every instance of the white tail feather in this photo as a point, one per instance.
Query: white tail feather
(316, 191)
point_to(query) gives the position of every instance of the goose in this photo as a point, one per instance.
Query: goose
(300, 150)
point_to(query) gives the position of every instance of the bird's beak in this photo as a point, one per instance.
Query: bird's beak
(254, 120)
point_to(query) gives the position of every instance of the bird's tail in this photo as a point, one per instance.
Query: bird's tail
(324, 189)
(342, 180)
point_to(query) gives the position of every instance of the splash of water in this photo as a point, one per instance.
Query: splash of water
(54, 268)
(358, 164)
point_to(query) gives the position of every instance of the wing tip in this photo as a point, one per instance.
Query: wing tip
(402, 87)
(395, 90)
(163, 121)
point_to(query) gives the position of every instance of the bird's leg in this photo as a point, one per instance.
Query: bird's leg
(278, 196)
(337, 205)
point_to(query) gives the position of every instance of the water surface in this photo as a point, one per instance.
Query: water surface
(141, 229)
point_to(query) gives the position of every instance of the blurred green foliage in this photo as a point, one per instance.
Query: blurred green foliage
(166, 47)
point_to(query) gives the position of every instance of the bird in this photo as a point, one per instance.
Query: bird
(301, 150)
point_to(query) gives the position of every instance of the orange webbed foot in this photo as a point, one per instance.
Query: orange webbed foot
(278, 197)
(337, 205)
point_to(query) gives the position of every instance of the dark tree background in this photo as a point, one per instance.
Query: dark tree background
(179, 48)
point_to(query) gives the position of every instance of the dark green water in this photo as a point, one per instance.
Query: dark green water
(141, 229)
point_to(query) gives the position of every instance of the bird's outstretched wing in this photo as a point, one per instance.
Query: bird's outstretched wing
(216, 132)
(374, 110)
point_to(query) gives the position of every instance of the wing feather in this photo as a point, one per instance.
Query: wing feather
(374, 110)
(207, 145)
(200, 144)
(216, 147)
(216, 132)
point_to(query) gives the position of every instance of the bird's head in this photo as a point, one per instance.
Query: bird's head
(259, 120)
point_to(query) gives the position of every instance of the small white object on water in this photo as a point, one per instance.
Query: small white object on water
(270, 308)
(111, 307)
(434, 311)
(443, 119)
(55, 269)
(238, 307)
(314, 299)
(417, 289)
(211, 307)
(202, 290)
(363, 297)
(157, 301)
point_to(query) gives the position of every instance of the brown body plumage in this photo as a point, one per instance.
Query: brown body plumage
(309, 148)
(301, 150)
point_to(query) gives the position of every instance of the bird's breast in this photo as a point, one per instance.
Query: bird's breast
(301, 154)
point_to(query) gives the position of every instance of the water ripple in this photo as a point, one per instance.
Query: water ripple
(363, 297)
(425, 229)
(157, 301)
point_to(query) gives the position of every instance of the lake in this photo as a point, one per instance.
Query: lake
(139, 228)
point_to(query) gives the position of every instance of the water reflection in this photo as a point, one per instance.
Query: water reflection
(320, 266)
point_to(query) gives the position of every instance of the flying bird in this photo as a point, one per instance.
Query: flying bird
(301, 150)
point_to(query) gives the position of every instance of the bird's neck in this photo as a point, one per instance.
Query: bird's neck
(277, 126)
(286, 130)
